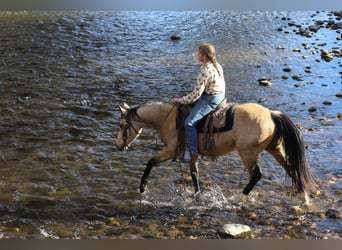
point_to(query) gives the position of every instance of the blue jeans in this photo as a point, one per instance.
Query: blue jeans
(203, 106)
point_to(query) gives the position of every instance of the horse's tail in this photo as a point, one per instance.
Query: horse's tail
(291, 138)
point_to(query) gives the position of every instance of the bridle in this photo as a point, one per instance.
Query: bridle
(128, 126)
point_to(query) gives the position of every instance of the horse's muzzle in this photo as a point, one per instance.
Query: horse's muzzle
(124, 148)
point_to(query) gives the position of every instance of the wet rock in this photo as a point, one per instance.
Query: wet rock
(307, 47)
(327, 55)
(287, 69)
(339, 116)
(312, 109)
(339, 94)
(297, 210)
(333, 213)
(175, 37)
(234, 231)
(304, 32)
(314, 28)
(297, 77)
(327, 102)
(338, 13)
(253, 216)
(284, 77)
(265, 83)
(114, 222)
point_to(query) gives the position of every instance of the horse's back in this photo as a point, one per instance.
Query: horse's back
(253, 125)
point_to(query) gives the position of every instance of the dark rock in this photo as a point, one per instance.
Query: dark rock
(339, 116)
(314, 28)
(297, 210)
(333, 214)
(296, 77)
(327, 102)
(175, 37)
(287, 69)
(339, 94)
(312, 109)
(265, 82)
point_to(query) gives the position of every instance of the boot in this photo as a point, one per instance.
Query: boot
(194, 157)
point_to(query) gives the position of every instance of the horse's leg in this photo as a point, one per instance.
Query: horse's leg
(161, 157)
(278, 155)
(254, 177)
(251, 165)
(195, 175)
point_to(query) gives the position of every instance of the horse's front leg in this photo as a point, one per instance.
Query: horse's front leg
(152, 162)
(161, 157)
(195, 175)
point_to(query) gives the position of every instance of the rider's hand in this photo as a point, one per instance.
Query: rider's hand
(175, 100)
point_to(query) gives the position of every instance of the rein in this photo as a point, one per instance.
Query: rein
(130, 126)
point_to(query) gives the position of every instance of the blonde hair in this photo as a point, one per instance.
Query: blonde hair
(208, 50)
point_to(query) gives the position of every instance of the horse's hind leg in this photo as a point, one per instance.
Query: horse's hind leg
(253, 170)
(195, 175)
(254, 177)
(278, 155)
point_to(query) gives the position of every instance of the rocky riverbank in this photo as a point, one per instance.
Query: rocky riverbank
(316, 50)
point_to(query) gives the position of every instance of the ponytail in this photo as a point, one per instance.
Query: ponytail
(208, 50)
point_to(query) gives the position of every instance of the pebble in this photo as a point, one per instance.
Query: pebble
(287, 69)
(175, 37)
(297, 210)
(333, 213)
(339, 116)
(296, 77)
(114, 222)
(234, 231)
(312, 109)
(339, 94)
(265, 83)
(327, 102)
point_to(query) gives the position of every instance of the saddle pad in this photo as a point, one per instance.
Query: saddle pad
(223, 118)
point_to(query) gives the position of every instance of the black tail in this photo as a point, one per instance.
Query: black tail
(297, 166)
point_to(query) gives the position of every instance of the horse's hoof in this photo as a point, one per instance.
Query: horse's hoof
(143, 186)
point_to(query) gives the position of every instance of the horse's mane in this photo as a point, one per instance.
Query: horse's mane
(132, 112)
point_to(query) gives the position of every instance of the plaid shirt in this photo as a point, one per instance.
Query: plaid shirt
(208, 81)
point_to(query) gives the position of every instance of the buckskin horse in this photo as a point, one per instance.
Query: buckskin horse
(255, 128)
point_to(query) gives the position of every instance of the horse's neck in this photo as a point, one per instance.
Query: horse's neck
(152, 116)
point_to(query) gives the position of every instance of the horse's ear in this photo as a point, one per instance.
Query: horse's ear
(125, 105)
(122, 109)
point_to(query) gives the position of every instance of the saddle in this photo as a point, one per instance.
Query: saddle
(219, 120)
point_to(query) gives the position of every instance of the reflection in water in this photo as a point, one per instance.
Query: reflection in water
(62, 75)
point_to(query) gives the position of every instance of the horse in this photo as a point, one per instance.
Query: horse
(255, 128)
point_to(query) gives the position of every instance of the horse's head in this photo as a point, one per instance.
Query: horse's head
(128, 128)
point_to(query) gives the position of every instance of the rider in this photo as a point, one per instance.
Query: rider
(209, 91)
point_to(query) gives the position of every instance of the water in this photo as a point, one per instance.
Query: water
(62, 75)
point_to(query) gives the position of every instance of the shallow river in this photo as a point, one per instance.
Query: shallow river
(62, 75)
